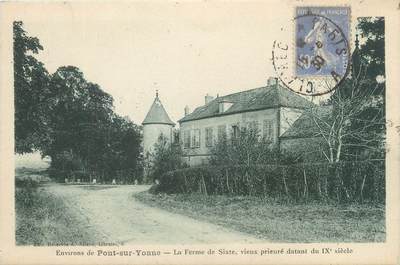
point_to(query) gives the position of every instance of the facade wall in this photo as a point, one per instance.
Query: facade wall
(197, 154)
(151, 132)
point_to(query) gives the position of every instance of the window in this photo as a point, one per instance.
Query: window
(221, 132)
(209, 137)
(235, 133)
(268, 129)
(186, 139)
(253, 127)
(195, 138)
(176, 137)
(224, 106)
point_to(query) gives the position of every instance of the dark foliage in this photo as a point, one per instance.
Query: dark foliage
(31, 92)
(165, 157)
(372, 86)
(373, 50)
(27, 189)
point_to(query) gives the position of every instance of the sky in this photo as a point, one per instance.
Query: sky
(184, 50)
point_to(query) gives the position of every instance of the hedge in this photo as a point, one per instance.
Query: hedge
(343, 181)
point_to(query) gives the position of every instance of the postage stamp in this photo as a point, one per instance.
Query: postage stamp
(322, 35)
(318, 58)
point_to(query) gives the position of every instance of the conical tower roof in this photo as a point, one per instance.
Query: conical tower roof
(157, 114)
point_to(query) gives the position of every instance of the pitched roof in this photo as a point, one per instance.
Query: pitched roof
(272, 96)
(157, 114)
(304, 126)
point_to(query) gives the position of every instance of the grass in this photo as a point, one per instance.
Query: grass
(276, 221)
(43, 219)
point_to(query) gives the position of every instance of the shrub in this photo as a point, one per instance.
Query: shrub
(247, 148)
(165, 157)
(26, 189)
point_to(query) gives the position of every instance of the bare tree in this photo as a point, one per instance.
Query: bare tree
(353, 121)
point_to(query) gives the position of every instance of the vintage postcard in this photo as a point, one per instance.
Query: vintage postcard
(199, 132)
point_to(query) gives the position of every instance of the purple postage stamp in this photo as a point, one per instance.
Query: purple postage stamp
(318, 59)
(322, 35)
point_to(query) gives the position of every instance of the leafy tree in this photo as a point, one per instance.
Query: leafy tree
(31, 93)
(78, 110)
(372, 51)
(122, 153)
(86, 127)
(165, 157)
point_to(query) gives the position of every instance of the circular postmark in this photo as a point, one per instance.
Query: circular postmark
(317, 61)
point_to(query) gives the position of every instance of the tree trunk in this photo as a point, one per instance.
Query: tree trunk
(305, 191)
(284, 183)
(331, 154)
(319, 183)
(186, 183)
(265, 186)
(204, 185)
(227, 181)
(362, 188)
(339, 150)
(326, 186)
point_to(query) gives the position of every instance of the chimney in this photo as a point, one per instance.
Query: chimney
(272, 81)
(187, 110)
(208, 99)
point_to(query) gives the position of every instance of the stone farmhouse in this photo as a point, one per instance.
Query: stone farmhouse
(275, 111)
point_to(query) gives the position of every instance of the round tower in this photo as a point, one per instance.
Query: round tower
(157, 122)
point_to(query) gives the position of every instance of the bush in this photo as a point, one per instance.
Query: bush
(26, 189)
(247, 148)
(165, 157)
(342, 182)
(26, 183)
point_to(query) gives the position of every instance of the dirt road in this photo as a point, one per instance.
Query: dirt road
(117, 217)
